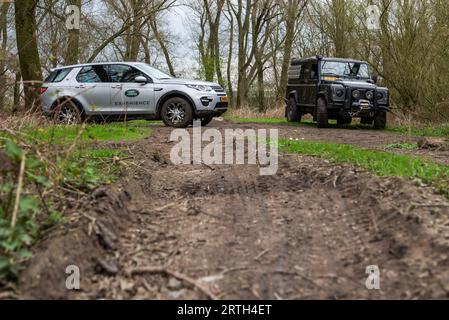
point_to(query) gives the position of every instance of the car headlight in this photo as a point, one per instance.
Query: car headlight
(382, 96)
(369, 95)
(338, 92)
(199, 87)
(356, 94)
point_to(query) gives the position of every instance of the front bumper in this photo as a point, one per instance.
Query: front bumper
(361, 108)
(210, 103)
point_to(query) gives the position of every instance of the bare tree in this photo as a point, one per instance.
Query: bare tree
(30, 66)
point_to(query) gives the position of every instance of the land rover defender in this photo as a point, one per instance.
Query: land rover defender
(334, 88)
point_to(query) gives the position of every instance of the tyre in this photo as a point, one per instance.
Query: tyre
(177, 112)
(321, 113)
(343, 120)
(293, 113)
(206, 120)
(67, 113)
(380, 120)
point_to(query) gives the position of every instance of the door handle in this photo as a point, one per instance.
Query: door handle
(81, 86)
(117, 86)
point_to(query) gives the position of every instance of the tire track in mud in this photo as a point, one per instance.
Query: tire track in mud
(307, 232)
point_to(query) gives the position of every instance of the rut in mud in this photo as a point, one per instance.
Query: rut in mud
(226, 232)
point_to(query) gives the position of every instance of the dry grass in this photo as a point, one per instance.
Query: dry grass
(247, 111)
(26, 120)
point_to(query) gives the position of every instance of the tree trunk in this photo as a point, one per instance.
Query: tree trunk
(3, 59)
(73, 40)
(340, 36)
(290, 21)
(16, 102)
(229, 66)
(160, 40)
(260, 81)
(134, 37)
(30, 65)
(243, 24)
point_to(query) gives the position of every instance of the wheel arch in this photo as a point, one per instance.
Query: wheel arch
(293, 94)
(174, 94)
(63, 99)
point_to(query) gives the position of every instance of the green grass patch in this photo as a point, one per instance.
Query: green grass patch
(89, 168)
(402, 145)
(441, 130)
(119, 131)
(379, 162)
(47, 171)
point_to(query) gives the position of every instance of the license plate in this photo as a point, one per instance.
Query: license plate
(224, 99)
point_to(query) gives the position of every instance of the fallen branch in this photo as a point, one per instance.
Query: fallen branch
(174, 274)
(18, 191)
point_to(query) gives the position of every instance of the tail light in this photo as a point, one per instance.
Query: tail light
(43, 90)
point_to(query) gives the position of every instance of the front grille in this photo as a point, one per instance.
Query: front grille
(217, 89)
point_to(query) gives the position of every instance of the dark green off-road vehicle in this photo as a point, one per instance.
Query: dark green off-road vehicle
(333, 88)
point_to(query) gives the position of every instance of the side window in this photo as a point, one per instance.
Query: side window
(305, 72)
(314, 71)
(58, 75)
(92, 74)
(124, 74)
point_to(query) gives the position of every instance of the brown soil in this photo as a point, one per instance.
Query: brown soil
(198, 232)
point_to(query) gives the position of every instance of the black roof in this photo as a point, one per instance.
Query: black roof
(316, 58)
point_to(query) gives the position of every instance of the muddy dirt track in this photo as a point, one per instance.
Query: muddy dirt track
(199, 232)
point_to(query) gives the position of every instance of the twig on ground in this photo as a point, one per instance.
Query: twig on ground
(260, 255)
(174, 274)
(18, 192)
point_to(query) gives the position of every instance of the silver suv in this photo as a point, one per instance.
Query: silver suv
(129, 90)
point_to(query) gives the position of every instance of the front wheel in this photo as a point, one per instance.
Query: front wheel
(321, 113)
(380, 120)
(293, 113)
(177, 112)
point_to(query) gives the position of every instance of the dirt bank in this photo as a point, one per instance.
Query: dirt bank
(198, 232)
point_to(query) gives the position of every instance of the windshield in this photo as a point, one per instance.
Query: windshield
(345, 69)
(153, 72)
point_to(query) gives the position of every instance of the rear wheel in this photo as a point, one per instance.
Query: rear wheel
(380, 120)
(67, 113)
(321, 113)
(293, 113)
(177, 112)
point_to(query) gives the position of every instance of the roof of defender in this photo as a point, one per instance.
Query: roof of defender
(296, 61)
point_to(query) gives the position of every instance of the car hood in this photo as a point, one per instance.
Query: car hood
(187, 81)
(358, 84)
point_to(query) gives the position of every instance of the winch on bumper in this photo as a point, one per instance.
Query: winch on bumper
(362, 107)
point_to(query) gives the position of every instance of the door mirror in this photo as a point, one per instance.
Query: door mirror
(375, 78)
(141, 79)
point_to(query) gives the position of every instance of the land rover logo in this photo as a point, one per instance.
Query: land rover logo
(132, 93)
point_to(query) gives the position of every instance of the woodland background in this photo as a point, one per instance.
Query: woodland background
(245, 45)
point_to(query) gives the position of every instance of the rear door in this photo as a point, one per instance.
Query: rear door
(313, 84)
(127, 96)
(309, 84)
(303, 84)
(93, 89)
